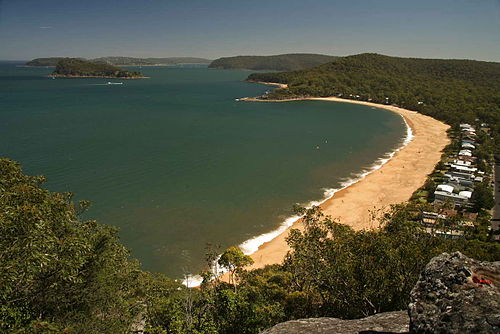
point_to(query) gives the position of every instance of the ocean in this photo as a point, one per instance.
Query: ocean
(176, 163)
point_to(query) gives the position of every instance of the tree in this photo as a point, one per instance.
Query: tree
(483, 196)
(234, 261)
(56, 270)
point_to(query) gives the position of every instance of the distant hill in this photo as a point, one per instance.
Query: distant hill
(151, 61)
(124, 61)
(44, 62)
(285, 62)
(73, 67)
(449, 90)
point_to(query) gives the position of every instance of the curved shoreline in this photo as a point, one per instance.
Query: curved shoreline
(359, 201)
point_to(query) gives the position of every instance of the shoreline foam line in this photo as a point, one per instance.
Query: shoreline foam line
(252, 245)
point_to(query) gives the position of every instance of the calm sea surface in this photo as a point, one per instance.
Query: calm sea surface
(175, 162)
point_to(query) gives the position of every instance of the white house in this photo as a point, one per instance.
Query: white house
(461, 162)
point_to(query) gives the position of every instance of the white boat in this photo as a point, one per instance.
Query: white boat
(115, 83)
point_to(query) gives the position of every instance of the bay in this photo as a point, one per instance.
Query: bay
(175, 162)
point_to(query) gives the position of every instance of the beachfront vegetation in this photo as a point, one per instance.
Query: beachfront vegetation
(59, 273)
(285, 62)
(73, 67)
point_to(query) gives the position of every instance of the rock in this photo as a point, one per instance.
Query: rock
(456, 294)
(389, 322)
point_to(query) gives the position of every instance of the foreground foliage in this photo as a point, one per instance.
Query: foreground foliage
(58, 272)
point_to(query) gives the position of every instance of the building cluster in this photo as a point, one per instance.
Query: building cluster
(462, 174)
(454, 192)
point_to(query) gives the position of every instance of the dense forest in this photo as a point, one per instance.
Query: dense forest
(285, 62)
(62, 274)
(73, 67)
(449, 90)
(124, 61)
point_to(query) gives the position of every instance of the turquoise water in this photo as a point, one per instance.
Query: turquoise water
(175, 162)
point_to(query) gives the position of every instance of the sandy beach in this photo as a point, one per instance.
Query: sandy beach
(393, 183)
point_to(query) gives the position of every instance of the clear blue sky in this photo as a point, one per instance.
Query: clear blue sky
(214, 28)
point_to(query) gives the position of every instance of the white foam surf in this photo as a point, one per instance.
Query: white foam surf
(252, 245)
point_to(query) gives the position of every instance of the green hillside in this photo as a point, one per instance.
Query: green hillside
(73, 67)
(449, 90)
(285, 62)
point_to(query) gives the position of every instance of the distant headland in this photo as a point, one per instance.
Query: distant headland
(284, 62)
(78, 68)
(123, 61)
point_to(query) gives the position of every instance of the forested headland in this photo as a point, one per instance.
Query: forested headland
(124, 61)
(73, 67)
(285, 62)
(44, 62)
(452, 91)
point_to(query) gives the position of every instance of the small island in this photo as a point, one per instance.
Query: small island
(78, 68)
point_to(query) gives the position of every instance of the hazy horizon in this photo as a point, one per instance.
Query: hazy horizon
(449, 29)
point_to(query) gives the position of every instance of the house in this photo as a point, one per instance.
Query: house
(468, 146)
(447, 234)
(466, 153)
(461, 162)
(441, 197)
(460, 182)
(463, 169)
(470, 159)
(468, 138)
(459, 175)
(429, 219)
(445, 187)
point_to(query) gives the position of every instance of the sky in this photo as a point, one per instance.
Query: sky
(464, 29)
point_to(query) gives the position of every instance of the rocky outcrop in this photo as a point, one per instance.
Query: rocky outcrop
(456, 294)
(389, 322)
